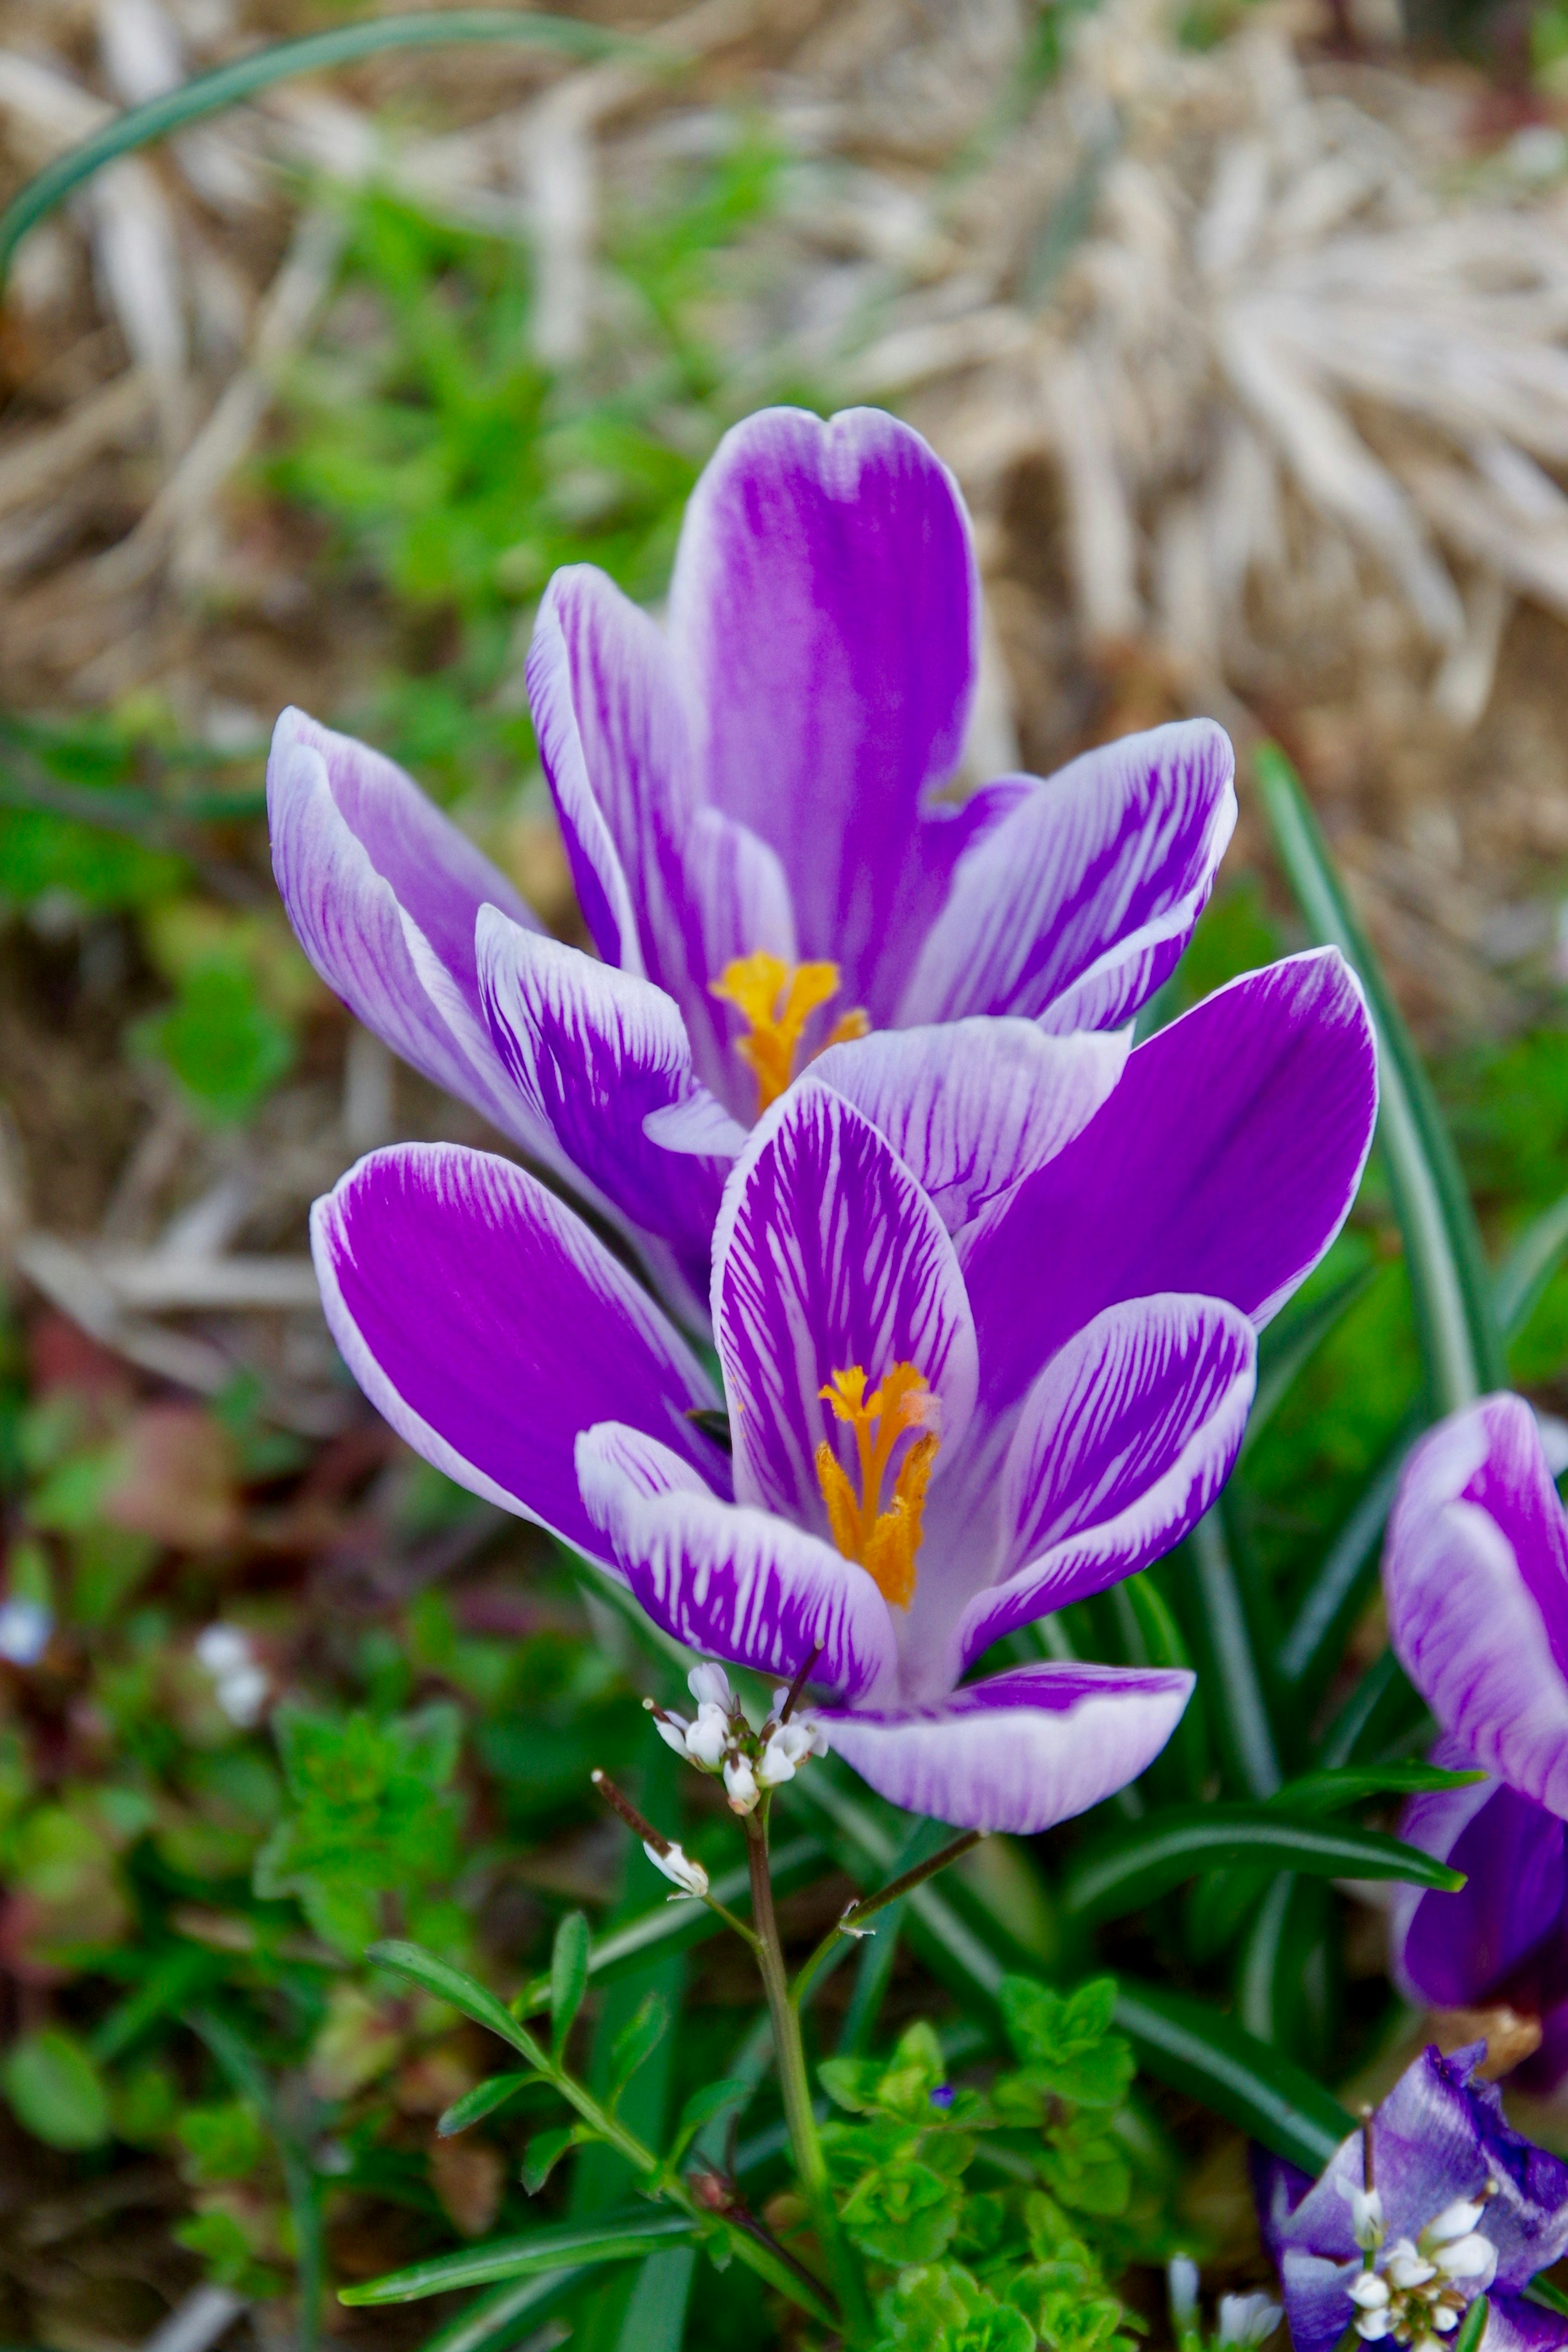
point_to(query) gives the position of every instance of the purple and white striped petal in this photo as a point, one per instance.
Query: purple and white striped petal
(1075, 909)
(1476, 1575)
(490, 1326)
(1123, 1442)
(733, 1583)
(1456, 1951)
(826, 1256)
(383, 891)
(595, 1052)
(972, 1106)
(1224, 1162)
(824, 615)
(1019, 1752)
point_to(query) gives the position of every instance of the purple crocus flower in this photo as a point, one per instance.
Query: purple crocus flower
(987, 1345)
(746, 796)
(1458, 2205)
(1476, 1574)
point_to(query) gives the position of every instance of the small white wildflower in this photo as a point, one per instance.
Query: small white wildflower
(741, 1784)
(1446, 2318)
(223, 1649)
(710, 1683)
(1474, 2257)
(24, 1630)
(1181, 2286)
(243, 1684)
(1370, 2292)
(243, 1695)
(1367, 2225)
(708, 1736)
(672, 1729)
(1456, 2221)
(788, 1747)
(1373, 2326)
(677, 1866)
(1406, 2266)
(1248, 2319)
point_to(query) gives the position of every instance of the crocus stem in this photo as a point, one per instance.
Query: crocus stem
(789, 2052)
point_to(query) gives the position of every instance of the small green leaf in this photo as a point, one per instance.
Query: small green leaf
(456, 1987)
(55, 2091)
(1473, 2326)
(544, 2153)
(1353, 1784)
(1528, 1266)
(1195, 2049)
(638, 2040)
(482, 2101)
(1542, 2291)
(619, 2238)
(1123, 1874)
(703, 2106)
(568, 1978)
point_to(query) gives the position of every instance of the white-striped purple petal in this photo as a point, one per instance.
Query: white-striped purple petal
(1224, 1162)
(827, 1255)
(1123, 1442)
(824, 615)
(736, 1583)
(1077, 905)
(975, 1106)
(1476, 1575)
(1458, 1951)
(593, 1052)
(490, 1326)
(383, 891)
(1019, 1752)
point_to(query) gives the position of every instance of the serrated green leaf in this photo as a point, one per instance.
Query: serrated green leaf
(568, 1978)
(544, 2153)
(1127, 1872)
(614, 2238)
(482, 2101)
(1197, 2050)
(638, 2040)
(456, 1987)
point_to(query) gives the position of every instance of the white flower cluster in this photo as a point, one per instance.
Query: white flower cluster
(243, 1683)
(719, 1739)
(1417, 2291)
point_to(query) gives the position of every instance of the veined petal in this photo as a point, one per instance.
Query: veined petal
(826, 1256)
(1224, 1162)
(1016, 1753)
(489, 1326)
(824, 613)
(736, 1583)
(383, 891)
(975, 1106)
(592, 1052)
(1077, 905)
(1456, 1951)
(1516, 2324)
(1476, 1575)
(1123, 1442)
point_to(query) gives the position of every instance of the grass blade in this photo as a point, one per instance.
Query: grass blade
(1184, 1841)
(493, 2321)
(1312, 1641)
(1528, 1267)
(617, 2238)
(1452, 1289)
(1197, 2049)
(1239, 1708)
(1290, 1341)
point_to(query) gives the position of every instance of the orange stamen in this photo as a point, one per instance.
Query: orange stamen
(775, 999)
(884, 1541)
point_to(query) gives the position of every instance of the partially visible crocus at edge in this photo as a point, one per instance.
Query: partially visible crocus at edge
(1476, 1575)
(1435, 2200)
(750, 797)
(985, 1350)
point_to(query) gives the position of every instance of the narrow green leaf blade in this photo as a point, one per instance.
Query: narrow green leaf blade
(455, 1986)
(1312, 1641)
(1452, 1288)
(482, 2101)
(568, 1977)
(1528, 1267)
(615, 2238)
(638, 2040)
(1197, 2049)
(1288, 1345)
(1125, 1872)
(1354, 1784)
(1473, 2326)
(498, 2319)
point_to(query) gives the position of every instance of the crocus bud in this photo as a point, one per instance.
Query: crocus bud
(687, 1875)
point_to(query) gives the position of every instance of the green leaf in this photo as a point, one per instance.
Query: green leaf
(704, 2106)
(1314, 1639)
(482, 2101)
(494, 2320)
(1127, 1872)
(1234, 1689)
(1353, 1784)
(1473, 2326)
(638, 2040)
(55, 2091)
(1550, 2297)
(1197, 2050)
(1452, 1289)
(615, 2238)
(223, 1042)
(456, 1987)
(568, 1978)
(544, 2153)
(1288, 1343)
(1524, 1276)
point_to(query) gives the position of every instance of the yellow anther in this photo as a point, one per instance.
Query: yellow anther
(775, 999)
(884, 1541)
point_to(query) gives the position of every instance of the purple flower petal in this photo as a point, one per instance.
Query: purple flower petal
(976, 1105)
(490, 1326)
(1476, 1575)
(824, 613)
(1016, 1753)
(1077, 905)
(1456, 1951)
(383, 891)
(1224, 1163)
(1123, 1442)
(1515, 2326)
(828, 1255)
(734, 1582)
(592, 1052)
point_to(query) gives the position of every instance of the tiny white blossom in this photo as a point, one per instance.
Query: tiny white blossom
(1248, 2319)
(687, 1875)
(708, 1736)
(741, 1784)
(1456, 2221)
(223, 1649)
(1369, 2291)
(1367, 2225)
(243, 1695)
(24, 1630)
(1181, 2286)
(1373, 2326)
(242, 1685)
(672, 1729)
(710, 1683)
(1474, 2257)
(1408, 2267)
(788, 1747)
(1446, 2318)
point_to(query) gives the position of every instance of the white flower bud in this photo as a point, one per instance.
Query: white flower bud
(788, 1747)
(1369, 2292)
(1181, 2286)
(223, 1649)
(1407, 2268)
(672, 1729)
(1474, 2257)
(1248, 2319)
(1456, 2221)
(1446, 2318)
(687, 1875)
(707, 1738)
(709, 1684)
(1373, 2326)
(1368, 2227)
(741, 1784)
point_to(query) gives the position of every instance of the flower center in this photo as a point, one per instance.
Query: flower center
(775, 999)
(884, 1541)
